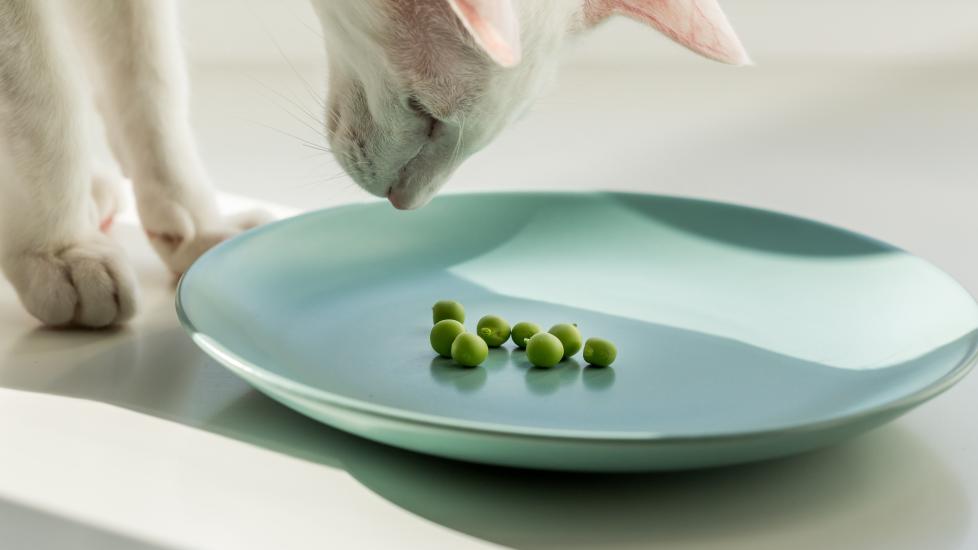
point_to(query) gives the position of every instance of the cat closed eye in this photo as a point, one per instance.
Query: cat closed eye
(416, 107)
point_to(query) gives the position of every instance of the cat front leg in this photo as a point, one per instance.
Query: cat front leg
(65, 270)
(142, 93)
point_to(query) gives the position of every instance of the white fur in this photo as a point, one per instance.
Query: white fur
(414, 90)
(52, 201)
(405, 110)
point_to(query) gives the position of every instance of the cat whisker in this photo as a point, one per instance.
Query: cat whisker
(309, 88)
(313, 30)
(315, 126)
(281, 52)
(317, 147)
(302, 140)
(458, 144)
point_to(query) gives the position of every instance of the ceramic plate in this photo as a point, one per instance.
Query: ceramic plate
(742, 334)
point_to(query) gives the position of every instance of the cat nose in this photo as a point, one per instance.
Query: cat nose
(396, 199)
(402, 197)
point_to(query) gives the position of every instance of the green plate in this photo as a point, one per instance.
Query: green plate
(742, 334)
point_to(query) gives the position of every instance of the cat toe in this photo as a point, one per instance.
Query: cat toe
(250, 219)
(184, 240)
(85, 284)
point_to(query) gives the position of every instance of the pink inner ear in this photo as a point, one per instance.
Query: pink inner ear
(493, 25)
(699, 25)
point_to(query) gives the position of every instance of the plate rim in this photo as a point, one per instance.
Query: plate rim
(235, 363)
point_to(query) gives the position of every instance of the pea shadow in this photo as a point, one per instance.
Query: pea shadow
(545, 381)
(465, 380)
(841, 493)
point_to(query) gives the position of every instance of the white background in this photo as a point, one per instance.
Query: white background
(862, 114)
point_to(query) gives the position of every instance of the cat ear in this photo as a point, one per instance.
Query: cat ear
(493, 25)
(700, 25)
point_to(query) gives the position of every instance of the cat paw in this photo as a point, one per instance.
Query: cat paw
(85, 284)
(180, 238)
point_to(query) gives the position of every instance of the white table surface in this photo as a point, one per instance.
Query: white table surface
(134, 439)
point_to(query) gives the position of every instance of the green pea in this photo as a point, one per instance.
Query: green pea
(447, 309)
(493, 329)
(443, 334)
(569, 336)
(469, 350)
(522, 332)
(544, 349)
(599, 352)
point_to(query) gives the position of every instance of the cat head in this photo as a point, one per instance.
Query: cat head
(416, 86)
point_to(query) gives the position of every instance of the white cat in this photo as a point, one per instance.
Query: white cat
(415, 86)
